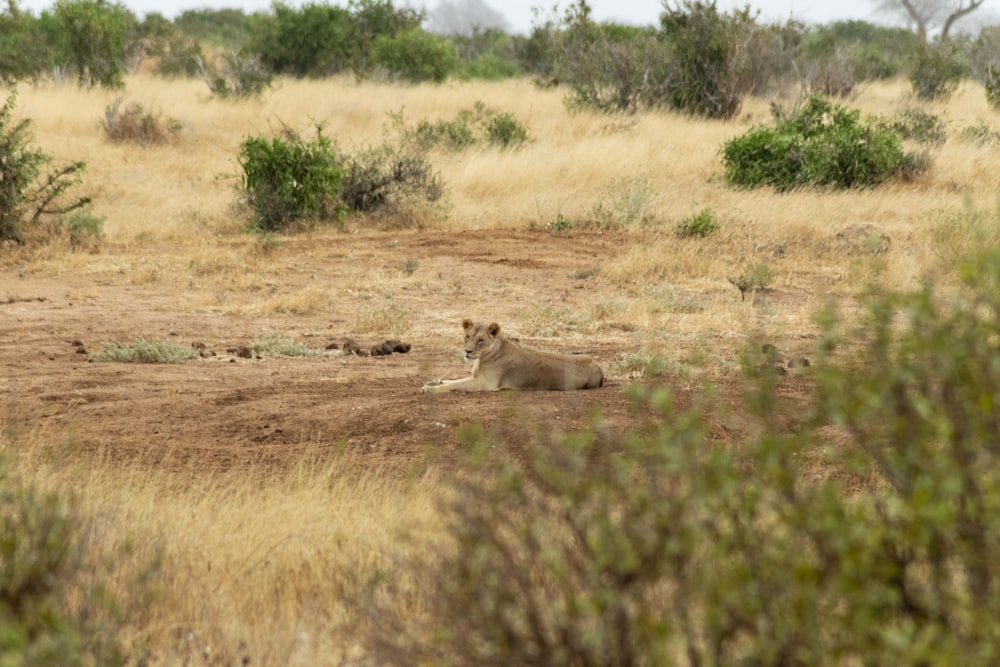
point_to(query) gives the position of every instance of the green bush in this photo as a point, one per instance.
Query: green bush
(488, 67)
(700, 224)
(415, 55)
(856, 524)
(179, 55)
(918, 125)
(28, 49)
(314, 40)
(288, 181)
(94, 36)
(819, 144)
(28, 195)
(505, 131)
(85, 230)
(468, 128)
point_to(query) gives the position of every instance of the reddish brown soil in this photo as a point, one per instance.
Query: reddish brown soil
(224, 411)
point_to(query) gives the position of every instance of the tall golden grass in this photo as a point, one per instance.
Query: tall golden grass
(251, 566)
(261, 565)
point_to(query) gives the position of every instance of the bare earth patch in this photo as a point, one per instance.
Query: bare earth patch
(224, 410)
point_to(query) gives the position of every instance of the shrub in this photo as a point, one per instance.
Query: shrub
(388, 182)
(85, 230)
(136, 124)
(756, 277)
(992, 86)
(937, 71)
(700, 224)
(832, 77)
(855, 524)
(314, 40)
(708, 74)
(819, 144)
(488, 67)
(239, 76)
(979, 133)
(505, 131)
(155, 351)
(180, 55)
(918, 125)
(27, 197)
(468, 128)
(288, 181)
(27, 49)
(56, 607)
(273, 343)
(415, 55)
(631, 200)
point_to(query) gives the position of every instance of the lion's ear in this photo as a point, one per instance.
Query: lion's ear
(467, 324)
(493, 329)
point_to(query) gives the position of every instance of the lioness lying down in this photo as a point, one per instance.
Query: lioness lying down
(500, 363)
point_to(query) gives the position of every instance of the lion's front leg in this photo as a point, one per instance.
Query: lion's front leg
(464, 384)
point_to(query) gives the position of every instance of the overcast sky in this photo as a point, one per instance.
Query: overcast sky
(519, 15)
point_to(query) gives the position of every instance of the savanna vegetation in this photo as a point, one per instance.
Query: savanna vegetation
(827, 191)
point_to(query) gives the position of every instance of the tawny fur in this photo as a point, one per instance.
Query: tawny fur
(501, 363)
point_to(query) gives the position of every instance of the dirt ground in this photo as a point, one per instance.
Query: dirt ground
(224, 411)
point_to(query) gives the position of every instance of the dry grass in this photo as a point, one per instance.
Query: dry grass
(265, 567)
(256, 566)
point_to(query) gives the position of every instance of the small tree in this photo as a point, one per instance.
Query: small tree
(709, 72)
(312, 41)
(95, 33)
(926, 15)
(27, 193)
(937, 71)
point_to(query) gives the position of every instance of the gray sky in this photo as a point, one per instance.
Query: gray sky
(519, 15)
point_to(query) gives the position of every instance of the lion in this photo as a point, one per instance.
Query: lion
(502, 363)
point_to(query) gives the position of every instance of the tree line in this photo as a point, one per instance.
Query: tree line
(698, 59)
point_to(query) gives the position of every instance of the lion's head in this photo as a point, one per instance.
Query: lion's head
(479, 338)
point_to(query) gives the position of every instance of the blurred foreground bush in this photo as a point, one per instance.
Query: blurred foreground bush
(57, 606)
(860, 525)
